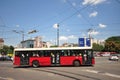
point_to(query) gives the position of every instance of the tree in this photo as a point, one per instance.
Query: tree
(11, 48)
(97, 47)
(6, 50)
(112, 44)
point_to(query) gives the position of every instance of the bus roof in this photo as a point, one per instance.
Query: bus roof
(57, 48)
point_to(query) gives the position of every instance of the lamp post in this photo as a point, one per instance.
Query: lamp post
(20, 32)
(57, 34)
(89, 32)
(56, 26)
(23, 34)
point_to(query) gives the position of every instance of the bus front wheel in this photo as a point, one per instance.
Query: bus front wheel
(35, 64)
(76, 63)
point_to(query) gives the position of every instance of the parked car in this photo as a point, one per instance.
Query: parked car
(6, 58)
(114, 57)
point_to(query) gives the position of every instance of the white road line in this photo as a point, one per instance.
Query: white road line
(112, 75)
(6, 78)
(103, 73)
(92, 71)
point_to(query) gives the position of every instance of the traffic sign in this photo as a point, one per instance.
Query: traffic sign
(88, 42)
(81, 42)
(84, 42)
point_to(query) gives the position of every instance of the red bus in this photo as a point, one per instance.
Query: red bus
(36, 57)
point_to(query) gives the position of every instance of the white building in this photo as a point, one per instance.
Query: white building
(101, 42)
(38, 42)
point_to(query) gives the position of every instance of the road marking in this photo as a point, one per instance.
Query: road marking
(6, 78)
(92, 71)
(103, 73)
(112, 75)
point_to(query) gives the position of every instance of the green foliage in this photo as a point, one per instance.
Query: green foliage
(115, 39)
(113, 44)
(97, 47)
(53, 46)
(7, 49)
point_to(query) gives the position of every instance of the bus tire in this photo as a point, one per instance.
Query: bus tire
(76, 63)
(35, 64)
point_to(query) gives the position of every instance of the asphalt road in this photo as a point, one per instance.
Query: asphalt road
(102, 70)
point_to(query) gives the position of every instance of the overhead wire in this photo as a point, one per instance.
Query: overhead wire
(72, 14)
(77, 11)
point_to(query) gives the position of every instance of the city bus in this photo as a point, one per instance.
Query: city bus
(35, 57)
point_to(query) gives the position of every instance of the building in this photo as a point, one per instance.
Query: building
(27, 43)
(100, 42)
(34, 43)
(38, 42)
(1, 43)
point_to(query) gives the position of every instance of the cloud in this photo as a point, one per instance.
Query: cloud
(93, 32)
(79, 15)
(102, 25)
(17, 25)
(65, 38)
(55, 26)
(93, 2)
(93, 14)
(74, 4)
(72, 37)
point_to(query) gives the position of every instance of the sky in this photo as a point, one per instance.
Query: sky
(76, 19)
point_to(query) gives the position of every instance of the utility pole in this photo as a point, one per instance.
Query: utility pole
(23, 34)
(58, 35)
(20, 32)
(89, 32)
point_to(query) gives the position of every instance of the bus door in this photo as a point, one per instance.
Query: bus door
(87, 57)
(55, 58)
(24, 58)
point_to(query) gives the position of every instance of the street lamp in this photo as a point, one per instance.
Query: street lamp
(23, 34)
(57, 34)
(32, 31)
(20, 32)
(56, 26)
(89, 32)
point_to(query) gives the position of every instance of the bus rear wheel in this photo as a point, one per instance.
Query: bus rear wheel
(76, 63)
(35, 64)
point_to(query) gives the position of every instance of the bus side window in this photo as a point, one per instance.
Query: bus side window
(80, 54)
(47, 53)
(30, 54)
(65, 53)
(68, 53)
(77, 53)
(17, 54)
(40, 53)
(62, 53)
(73, 53)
